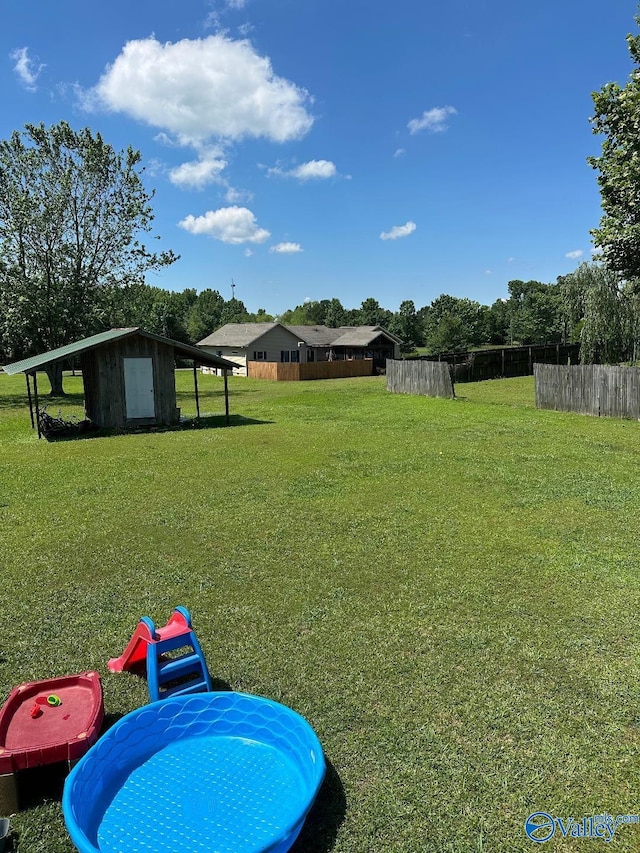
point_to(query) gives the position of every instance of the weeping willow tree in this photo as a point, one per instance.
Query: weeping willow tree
(605, 313)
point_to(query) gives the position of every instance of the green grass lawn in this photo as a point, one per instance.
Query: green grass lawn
(447, 589)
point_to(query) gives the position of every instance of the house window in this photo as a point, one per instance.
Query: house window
(284, 355)
(295, 355)
(259, 355)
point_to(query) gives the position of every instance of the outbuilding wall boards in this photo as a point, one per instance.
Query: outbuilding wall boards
(104, 381)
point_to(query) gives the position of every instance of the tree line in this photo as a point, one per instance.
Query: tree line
(534, 312)
(588, 305)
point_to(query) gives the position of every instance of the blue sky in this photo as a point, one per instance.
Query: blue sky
(310, 150)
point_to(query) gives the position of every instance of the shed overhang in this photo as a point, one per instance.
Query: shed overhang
(39, 362)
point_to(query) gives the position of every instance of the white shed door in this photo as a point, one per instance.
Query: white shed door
(138, 387)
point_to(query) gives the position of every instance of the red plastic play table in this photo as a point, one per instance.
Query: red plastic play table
(43, 722)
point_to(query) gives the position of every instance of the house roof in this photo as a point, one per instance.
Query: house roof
(314, 336)
(30, 365)
(239, 334)
(362, 336)
(245, 334)
(347, 336)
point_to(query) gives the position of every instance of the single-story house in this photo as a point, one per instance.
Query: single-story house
(128, 376)
(243, 343)
(346, 342)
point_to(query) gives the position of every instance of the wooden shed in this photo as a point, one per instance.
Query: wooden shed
(128, 376)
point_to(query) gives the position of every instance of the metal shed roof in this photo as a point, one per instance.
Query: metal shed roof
(36, 362)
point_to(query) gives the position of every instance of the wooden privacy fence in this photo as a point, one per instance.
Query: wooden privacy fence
(432, 378)
(592, 389)
(295, 372)
(506, 361)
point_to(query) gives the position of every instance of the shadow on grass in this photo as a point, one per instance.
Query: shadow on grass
(41, 785)
(216, 397)
(140, 671)
(214, 422)
(321, 827)
(110, 720)
(185, 425)
(21, 401)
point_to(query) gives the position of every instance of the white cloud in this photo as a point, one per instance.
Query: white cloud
(488, 272)
(214, 17)
(596, 251)
(154, 167)
(233, 225)
(25, 68)
(212, 21)
(202, 89)
(577, 253)
(399, 152)
(234, 195)
(286, 248)
(433, 120)
(198, 173)
(164, 139)
(247, 253)
(510, 260)
(312, 170)
(399, 231)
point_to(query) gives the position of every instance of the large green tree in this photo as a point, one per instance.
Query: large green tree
(335, 315)
(499, 323)
(205, 315)
(617, 118)
(535, 312)
(72, 215)
(234, 311)
(452, 323)
(371, 313)
(326, 312)
(301, 315)
(407, 326)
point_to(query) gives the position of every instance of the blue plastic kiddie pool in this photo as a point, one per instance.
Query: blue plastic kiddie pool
(201, 773)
